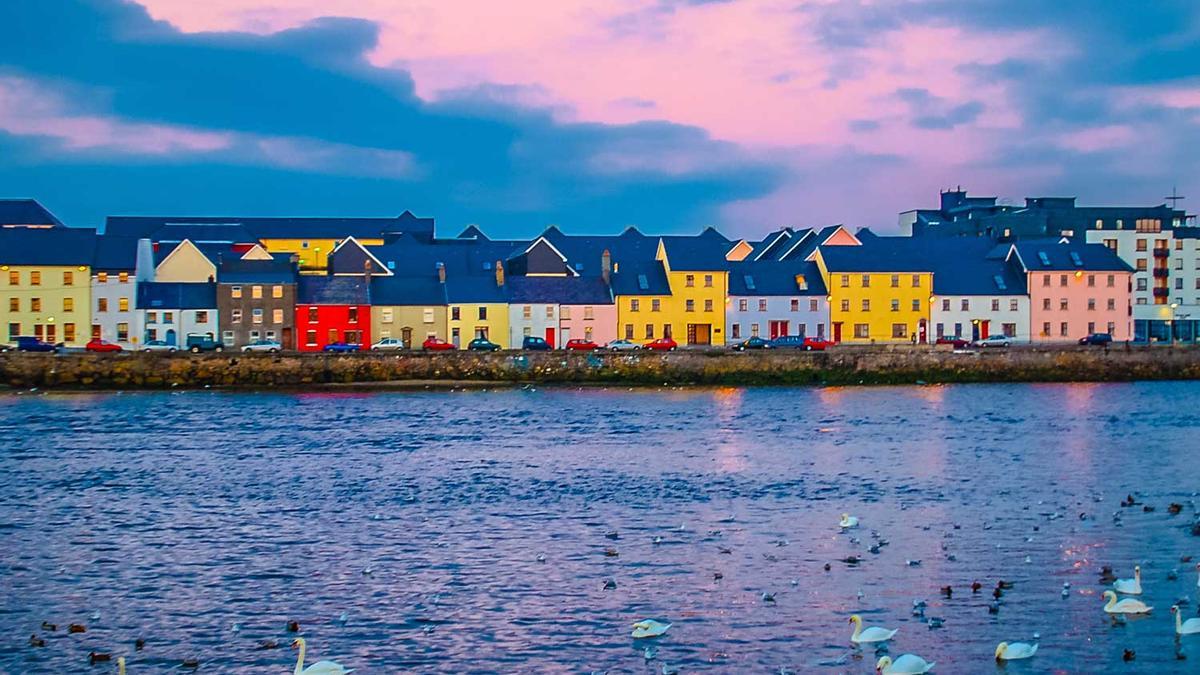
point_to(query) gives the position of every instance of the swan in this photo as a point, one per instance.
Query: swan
(848, 521)
(318, 668)
(1014, 651)
(1126, 606)
(1198, 575)
(1130, 586)
(872, 634)
(1189, 627)
(648, 628)
(120, 665)
(908, 664)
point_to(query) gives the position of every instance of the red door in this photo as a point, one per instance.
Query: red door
(778, 329)
(983, 330)
(550, 337)
(837, 331)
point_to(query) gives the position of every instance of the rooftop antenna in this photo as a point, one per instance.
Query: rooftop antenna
(1175, 197)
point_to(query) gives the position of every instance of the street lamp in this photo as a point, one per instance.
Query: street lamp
(1171, 322)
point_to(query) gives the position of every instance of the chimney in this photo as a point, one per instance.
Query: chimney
(144, 266)
(499, 273)
(606, 266)
(441, 270)
(367, 272)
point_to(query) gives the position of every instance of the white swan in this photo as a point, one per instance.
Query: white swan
(848, 521)
(120, 665)
(1198, 575)
(872, 634)
(648, 628)
(1130, 586)
(1189, 627)
(318, 668)
(1126, 606)
(908, 664)
(1014, 651)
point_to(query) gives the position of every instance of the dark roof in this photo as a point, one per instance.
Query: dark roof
(215, 252)
(172, 295)
(327, 290)
(47, 246)
(773, 278)
(472, 232)
(475, 289)
(230, 234)
(641, 278)
(408, 291)
(279, 228)
(1068, 255)
(277, 270)
(878, 254)
(115, 254)
(26, 212)
(701, 253)
(560, 290)
(967, 266)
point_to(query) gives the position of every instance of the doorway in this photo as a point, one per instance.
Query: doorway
(699, 334)
(406, 337)
(837, 331)
(550, 337)
(777, 328)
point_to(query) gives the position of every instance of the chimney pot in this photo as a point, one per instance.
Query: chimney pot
(499, 273)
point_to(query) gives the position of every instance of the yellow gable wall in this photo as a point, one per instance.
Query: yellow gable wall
(62, 296)
(185, 264)
(495, 322)
(313, 254)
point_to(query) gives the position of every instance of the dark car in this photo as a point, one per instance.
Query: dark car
(483, 345)
(661, 345)
(753, 343)
(535, 344)
(98, 345)
(808, 344)
(580, 345)
(436, 344)
(1097, 339)
(32, 344)
(956, 342)
(341, 347)
(197, 343)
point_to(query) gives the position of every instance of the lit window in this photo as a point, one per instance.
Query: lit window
(385, 315)
(68, 278)
(68, 304)
(123, 304)
(427, 315)
(527, 310)
(235, 291)
(277, 316)
(277, 291)
(123, 277)
(256, 292)
(564, 313)
(102, 277)
(35, 278)
(549, 311)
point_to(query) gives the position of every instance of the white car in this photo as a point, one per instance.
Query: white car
(388, 344)
(992, 341)
(269, 346)
(159, 346)
(622, 346)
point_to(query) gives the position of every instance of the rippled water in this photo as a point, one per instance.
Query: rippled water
(422, 517)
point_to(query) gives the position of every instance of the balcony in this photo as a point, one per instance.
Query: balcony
(1161, 272)
(1162, 292)
(1162, 253)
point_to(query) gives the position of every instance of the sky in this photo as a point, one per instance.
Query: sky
(670, 115)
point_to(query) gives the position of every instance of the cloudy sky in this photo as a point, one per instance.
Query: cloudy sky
(667, 114)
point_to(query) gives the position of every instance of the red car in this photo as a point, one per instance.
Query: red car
(98, 345)
(661, 345)
(816, 344)
(581, 345)
(956, 342)
(434, 344)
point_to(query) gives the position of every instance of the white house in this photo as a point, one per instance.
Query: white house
(976, 293)
(773, 299)
(170, 311)
(114, 292)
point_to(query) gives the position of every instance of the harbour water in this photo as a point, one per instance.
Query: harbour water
(474, 531)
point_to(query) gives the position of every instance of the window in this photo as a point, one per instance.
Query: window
(1046, 304)
(1179, 263)
(655, 305)
(689, 305)
(941, 330)
(1091, 280)
(69, 332)
(14, 304)
(795, 304)
(1062, 304)
(427, 315)
(916, 305)
(965, 305)
(68, 278)
(168, 317)
(527, 310)
(845, 305)
(310, 338)
(666, 330)
(1012, 305)
(649, 331)
(1064, 330)
(331, 335)
(708, 281)
(753, 330)
(995, 305)
(254, 335)
(102, 277)
(235, 291)
(1046, 329)
(1141, 264)
(256, 292)
(845, 281)
(101, 304)
(527, 331)
(762, 304)
(1091, 327)
(866, 281)
(1099, 224)
(689, 280)
(351, 315)
(866, 305)
(1111, 244)
(812, 305)
(1141, 284)
(743, 304)
(35, 278)
(483, 313)
(549, 311)
(628, 331)
(122, 304)
(1120, 224)
(1178, 244)
(201, 316)
(899, 330)
(708, 305)
(1112, 327)
(1062, 280)
(1112, 280)
(123, 277)
(1112, 304)
(1178, 284)
(1045, 279)
(35, 304)
(14, 279)
(122, 332)
(1091, 304)
(862, 330)
(277, 291)
(588, 313)
(1141, 245)
(312, 315)
(916, 281)
(277, 316)
(69, 304)
(235, 316)
(564, 313)
(14, 331)
(736, 331)
(634, 305)
(895, 305)
(945, 304)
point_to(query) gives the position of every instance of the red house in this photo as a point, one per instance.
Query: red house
(332, 309)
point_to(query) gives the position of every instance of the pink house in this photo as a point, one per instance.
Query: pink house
(596, 322)
(1074, 289)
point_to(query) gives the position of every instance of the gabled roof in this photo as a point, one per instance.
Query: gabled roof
(472, 232)
(329, 290)
(559, 290)
(700, 253)
(1065, 255)
(25, 212)
(357, 253)
(962, 266)
(277, 270)
(114, 254)
(171, 295)
(216, 253)
(881, 254)
(641, 278)
(408, 291)
(773, 278)
(475, 289)
(47, 246)
(770, 245)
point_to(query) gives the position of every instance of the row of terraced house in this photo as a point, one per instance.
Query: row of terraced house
(969, 269)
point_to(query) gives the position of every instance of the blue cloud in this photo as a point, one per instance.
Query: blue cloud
(483, 157)
(934, 112)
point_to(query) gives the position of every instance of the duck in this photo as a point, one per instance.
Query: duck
(1130, 586)
(1125, 606)
(293, 626)
(848, 521)
(1015, 651)
(906, 664)
(871, 634)
(318, 668)
(46, 625)
(76, 628)
(1189, 627)
(98, 657)
(35, 641)
(648, 628)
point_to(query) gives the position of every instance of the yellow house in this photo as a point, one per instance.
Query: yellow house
(408, 309)
(642, 294)
(478, 307)
(46, 277)
(878, 292)
(694, 312)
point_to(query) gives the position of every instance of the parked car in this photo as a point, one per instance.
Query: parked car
(98, 345)
(623, 346)
(661, 345)
(269, 346)
(7, 347)
(159, 346)
(480, 344)
(753, 343)
(1098, 339)
(435, 344)
(341, 347)
(580, 345)
(956, 341)
(31, 344)
(808, 344)
(992, 341)
(388, 345)
(535, 344)
(203, 343)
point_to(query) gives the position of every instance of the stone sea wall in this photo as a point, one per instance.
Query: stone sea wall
(842, 365)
